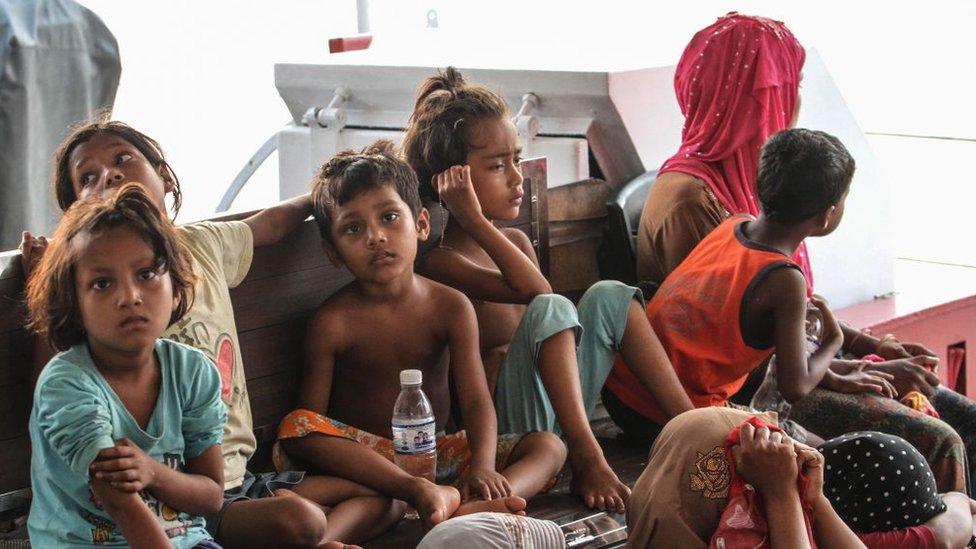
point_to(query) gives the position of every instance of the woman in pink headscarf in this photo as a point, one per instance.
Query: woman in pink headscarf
(737, 83)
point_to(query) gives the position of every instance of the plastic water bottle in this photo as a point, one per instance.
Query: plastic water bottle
(414, 428)
(768, 397)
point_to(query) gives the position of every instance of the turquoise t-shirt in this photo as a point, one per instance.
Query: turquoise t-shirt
(76, 414)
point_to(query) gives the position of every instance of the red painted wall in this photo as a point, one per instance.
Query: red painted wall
(937, 327)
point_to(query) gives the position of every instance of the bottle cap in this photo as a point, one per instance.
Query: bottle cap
(411, 377)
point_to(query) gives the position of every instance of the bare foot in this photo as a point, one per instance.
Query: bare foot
(338, 545)
(513, 505)
(598, 486)
(434, 504)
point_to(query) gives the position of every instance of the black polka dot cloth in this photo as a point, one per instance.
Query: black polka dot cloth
(878, 482)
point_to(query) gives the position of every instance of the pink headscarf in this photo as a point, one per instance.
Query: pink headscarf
(737, 84)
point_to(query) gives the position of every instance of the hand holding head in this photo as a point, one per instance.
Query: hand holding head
(765, 459)
(811, 464)
(457, 193)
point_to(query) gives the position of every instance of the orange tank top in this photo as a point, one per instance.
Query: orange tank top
(698, 315)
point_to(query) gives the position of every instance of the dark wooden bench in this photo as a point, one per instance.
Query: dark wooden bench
(285, 283)
(16, 384)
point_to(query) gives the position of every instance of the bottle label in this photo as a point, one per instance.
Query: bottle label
(414, 436)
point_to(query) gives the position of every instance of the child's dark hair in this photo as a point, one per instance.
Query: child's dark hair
(52, 299)
(64, 190)
(801, 174)
(438, 134)
(349, 174)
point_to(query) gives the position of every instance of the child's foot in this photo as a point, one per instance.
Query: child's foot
(338, 545)
(434, 503)
(598, 486)
(512, 505)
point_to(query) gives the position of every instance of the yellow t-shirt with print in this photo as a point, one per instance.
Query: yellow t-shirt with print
(221, 253)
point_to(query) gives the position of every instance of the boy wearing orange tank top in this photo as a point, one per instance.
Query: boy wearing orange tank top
(738, 297)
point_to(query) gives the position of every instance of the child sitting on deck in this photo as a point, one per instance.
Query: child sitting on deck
(126, 426)
(283, 509)
(386, 320)
(738, 296)
(549, 358)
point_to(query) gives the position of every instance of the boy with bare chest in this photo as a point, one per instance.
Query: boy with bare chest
(386, 320)
(415, 332)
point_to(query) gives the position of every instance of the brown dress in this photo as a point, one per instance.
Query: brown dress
(679, 211)
(679, 498)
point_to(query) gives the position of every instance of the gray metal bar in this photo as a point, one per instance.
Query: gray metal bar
(270, 146)
(362, 16)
